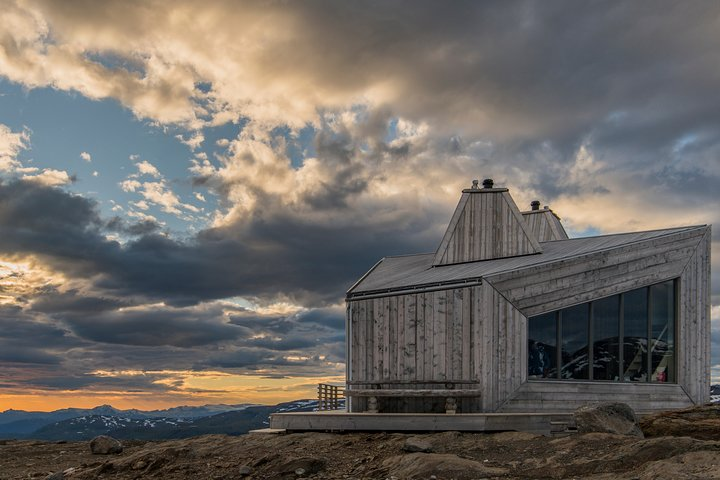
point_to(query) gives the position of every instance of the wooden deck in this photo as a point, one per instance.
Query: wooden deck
(336, 421)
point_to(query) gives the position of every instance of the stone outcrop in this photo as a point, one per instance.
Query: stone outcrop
(609, 417)
(698, 422)
(443, 465)
(417, 444)
(105, 445)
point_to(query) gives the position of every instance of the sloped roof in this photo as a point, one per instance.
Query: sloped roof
(416, 271)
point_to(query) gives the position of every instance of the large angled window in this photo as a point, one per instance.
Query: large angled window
(628, 337)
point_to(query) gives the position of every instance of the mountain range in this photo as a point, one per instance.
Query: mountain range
(179, 422)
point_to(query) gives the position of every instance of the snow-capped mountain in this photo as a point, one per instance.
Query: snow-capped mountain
(179, 422)
(17, 423)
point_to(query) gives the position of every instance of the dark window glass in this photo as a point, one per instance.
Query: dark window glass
(606, 338)
(628, 337)
(635, 320)
(574, 334)
(662, 297)
(542, 346)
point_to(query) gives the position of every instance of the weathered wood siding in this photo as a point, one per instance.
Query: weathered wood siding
(551, 286)
(486, 224)
(566, 396)
(464, 334)
(544, 225)
(693, 342)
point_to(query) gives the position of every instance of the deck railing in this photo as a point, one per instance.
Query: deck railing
(329, 396)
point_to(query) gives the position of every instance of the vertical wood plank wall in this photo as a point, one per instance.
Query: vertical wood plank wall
(693, 342)
(468, 334)
(489, 226)
(544, 225)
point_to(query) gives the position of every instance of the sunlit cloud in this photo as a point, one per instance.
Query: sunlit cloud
(49, 177)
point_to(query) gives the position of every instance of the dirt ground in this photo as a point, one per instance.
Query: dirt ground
(449, 455)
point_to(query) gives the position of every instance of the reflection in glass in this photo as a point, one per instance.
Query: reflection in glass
(662, 297)
(606, 338)
(622, 330)
(542, 346)
(635, 314)
(574, 334)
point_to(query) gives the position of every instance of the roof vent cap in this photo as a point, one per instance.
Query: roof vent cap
(488, 183)
(535, 205)
(475, 184)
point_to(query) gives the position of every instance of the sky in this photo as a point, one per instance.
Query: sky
(187, 189)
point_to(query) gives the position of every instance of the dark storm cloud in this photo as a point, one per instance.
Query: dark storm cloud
(143, 227)
(149, 327)
(135, 383)
(332, 318)
(281, 254)
(72, 301)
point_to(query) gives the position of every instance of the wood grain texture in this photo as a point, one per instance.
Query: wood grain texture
(544, 225)
(559, 396)
(556, 285)
(693, 341)
(460, 335)
(486, 225)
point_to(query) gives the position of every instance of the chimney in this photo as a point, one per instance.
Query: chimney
(543, 223)
(486, 225)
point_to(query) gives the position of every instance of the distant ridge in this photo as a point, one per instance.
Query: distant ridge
(20, 423)
(179, 422)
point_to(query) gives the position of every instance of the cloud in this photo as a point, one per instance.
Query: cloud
(86, 156)
(194, 141)
(607, 114)
(50, 177)
(147, 168)
(449, 72)
(11, 144)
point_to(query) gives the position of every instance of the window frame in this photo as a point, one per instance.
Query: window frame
(621, 338)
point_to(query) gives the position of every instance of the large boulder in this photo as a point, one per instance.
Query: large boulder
(608, 417)
(417, 444)
(701, 422)
(104, 445)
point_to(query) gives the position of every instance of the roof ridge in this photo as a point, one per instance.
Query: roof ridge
(689, 227)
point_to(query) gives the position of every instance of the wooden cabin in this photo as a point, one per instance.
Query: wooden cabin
(510, 315)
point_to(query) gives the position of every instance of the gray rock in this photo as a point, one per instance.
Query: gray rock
(417, 444)
(245, 470)
(422, 465)
(609, 417)
(309, 465)
(55, 476)
(104, 445)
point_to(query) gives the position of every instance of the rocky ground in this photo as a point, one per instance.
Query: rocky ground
(677, 445)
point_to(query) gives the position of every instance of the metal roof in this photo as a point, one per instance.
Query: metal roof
(412, 271)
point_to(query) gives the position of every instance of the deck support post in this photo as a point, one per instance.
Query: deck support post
(450, 405)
